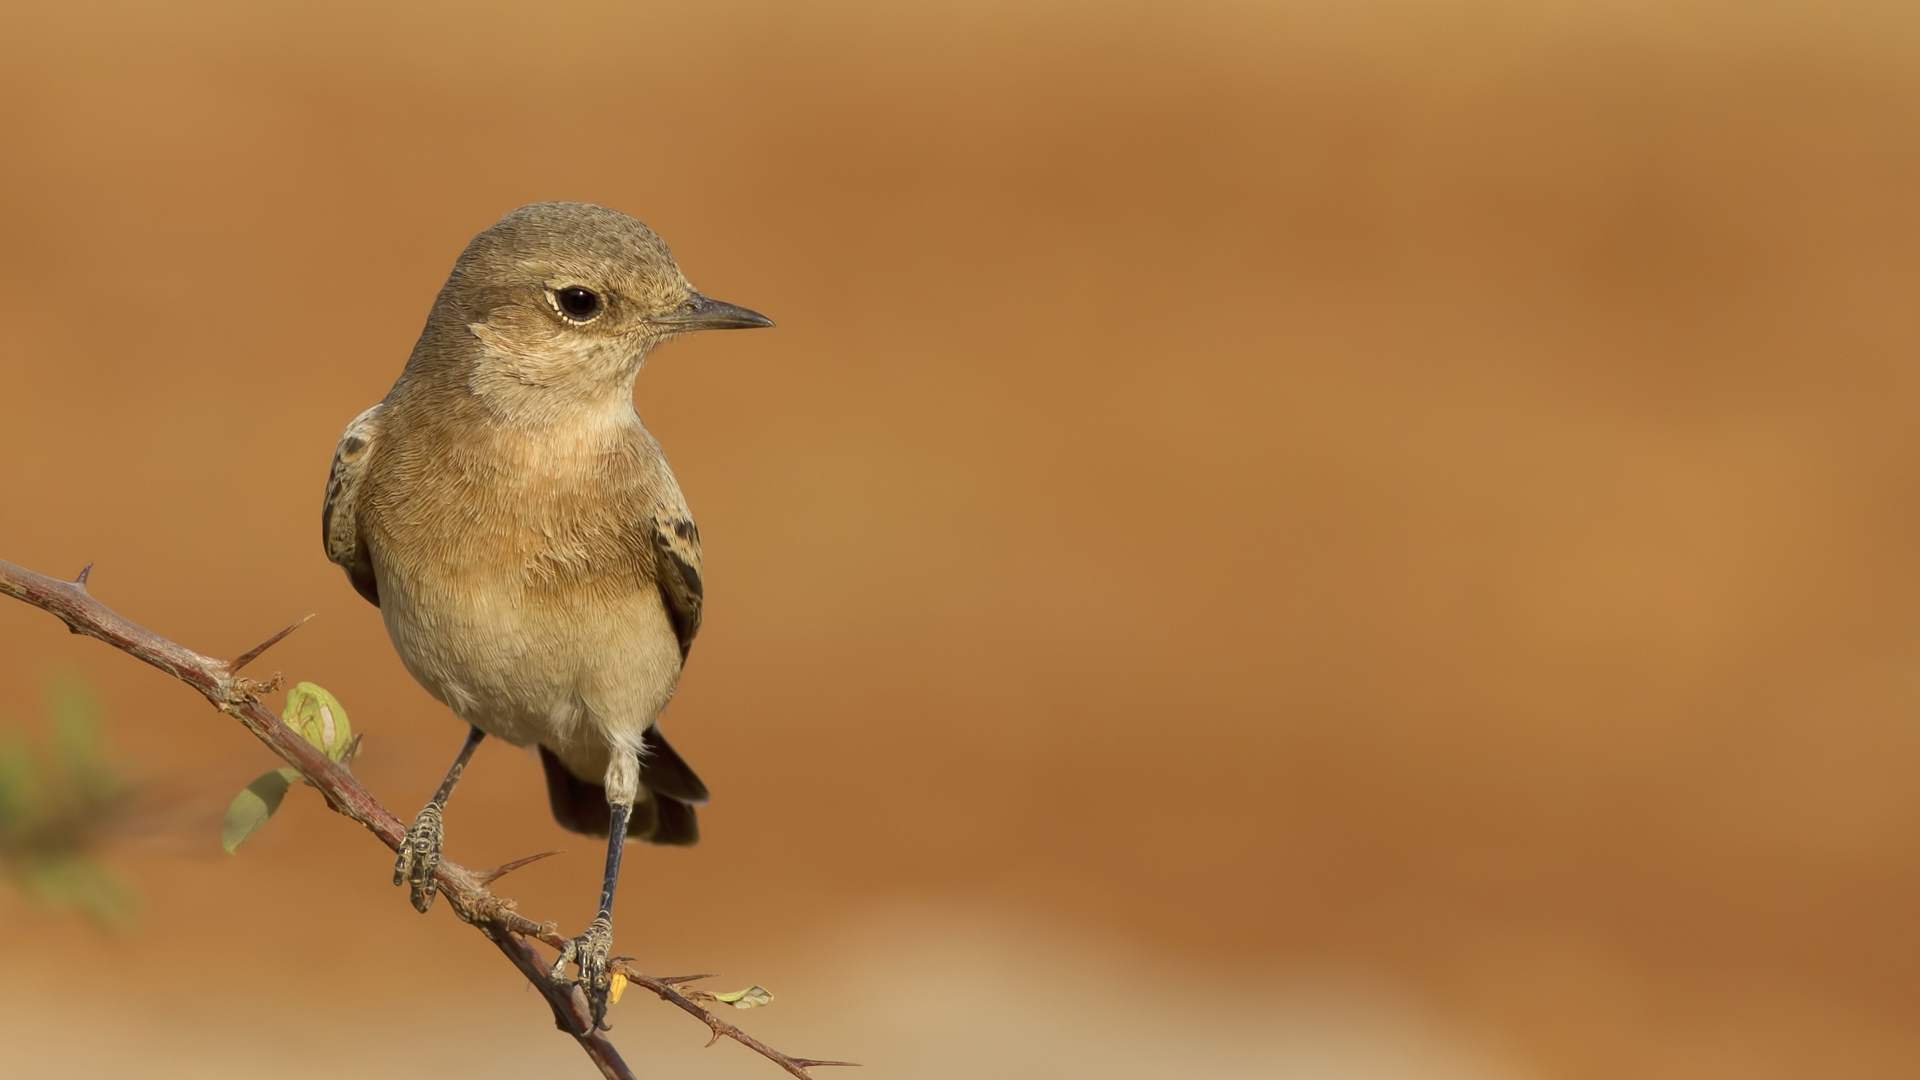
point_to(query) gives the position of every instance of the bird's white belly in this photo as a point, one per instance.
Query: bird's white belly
(578, 673)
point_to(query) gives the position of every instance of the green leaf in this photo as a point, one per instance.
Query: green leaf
(751, 998)
(254, 805)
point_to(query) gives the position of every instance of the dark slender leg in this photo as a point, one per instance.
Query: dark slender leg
(590, 949)
(420, 851)
(616, 843)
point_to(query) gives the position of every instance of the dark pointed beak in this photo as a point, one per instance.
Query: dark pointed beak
(705, 313)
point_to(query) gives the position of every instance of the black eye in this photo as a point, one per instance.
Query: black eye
(577, 302)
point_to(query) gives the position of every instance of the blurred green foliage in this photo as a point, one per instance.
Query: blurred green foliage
(58, 797)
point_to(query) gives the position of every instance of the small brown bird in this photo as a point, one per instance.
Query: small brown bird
(518, 528)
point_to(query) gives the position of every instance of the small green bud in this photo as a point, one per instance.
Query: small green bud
(319, 719)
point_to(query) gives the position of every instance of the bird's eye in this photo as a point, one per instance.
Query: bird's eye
(578, 303)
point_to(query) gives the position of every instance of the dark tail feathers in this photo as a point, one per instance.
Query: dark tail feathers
(664, 814)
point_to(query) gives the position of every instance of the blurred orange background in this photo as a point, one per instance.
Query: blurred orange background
(1269, 540)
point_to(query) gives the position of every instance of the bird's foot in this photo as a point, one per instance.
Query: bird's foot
(420, 855)
(589, 953)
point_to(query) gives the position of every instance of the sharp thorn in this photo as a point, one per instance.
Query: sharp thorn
(676, 981)
(82, 579)
(488, 877)
(716, 1038)
(352, 751)
(253, 654)
(808, 1063)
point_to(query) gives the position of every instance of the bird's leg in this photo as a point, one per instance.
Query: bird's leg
(420, 850)
(589, 950)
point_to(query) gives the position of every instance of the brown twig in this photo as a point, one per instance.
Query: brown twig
(466, 890)
(669, 990)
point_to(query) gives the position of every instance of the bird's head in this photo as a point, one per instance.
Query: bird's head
(565, 299)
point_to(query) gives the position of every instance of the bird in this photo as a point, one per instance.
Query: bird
(530, 552)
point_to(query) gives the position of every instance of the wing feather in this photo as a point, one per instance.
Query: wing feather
(676, 545)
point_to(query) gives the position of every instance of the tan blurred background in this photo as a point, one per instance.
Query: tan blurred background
(1268, 541)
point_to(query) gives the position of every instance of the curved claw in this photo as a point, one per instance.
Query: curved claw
(419, 856)
(589, 952)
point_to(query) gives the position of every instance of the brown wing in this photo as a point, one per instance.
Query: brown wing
(339, 519)
(676, 543)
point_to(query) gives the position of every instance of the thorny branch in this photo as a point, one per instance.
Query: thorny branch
(220, 682)
(669, 989)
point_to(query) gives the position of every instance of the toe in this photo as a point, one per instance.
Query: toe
(420, 876)
(418, 857)
(558, 973)
(423, 893)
